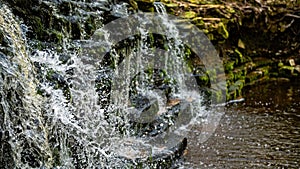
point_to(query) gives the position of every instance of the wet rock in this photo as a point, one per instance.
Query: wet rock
(174, 116)
(52, 21)
(19, 106)
(5, 148)
(145, 109)
(141, 156)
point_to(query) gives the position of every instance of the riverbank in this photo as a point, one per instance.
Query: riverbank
(257, 40)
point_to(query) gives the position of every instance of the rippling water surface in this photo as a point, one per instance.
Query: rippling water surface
(262, 132)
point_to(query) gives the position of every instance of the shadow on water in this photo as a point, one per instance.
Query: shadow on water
(262, 132)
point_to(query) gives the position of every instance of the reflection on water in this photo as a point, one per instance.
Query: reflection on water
(262, 132)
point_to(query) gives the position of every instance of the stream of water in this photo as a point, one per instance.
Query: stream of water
(262, 132)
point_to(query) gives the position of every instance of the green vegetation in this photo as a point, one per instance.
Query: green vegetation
(257, 40)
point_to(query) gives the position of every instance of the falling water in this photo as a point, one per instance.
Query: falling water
(22, 120)
(75, 120)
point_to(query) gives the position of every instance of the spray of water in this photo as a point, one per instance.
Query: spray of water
(105, 104)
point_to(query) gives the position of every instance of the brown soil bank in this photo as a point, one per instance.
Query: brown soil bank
(259, 40)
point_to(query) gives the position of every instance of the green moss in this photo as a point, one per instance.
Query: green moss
(229, 66)
(236, 56)
(287, 68)
(238, 75)
(203, 80)
(230, 75)
(230, 10)
(194, 1)
(133, 4)
(212, 74)
(151, 9)
(235, 89)
(205, 31)
(198, 21)
(231, 95)
(222, 30)
(287, 71)
(187, 52)
(240, 84)
(218, 95)
(210, 36)
(56, 36)
(232, 88)
(228, 96)
(171, 5)
(240, 55)
(280, 64)
(190, 14)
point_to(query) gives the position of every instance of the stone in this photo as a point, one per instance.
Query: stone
(144, 112)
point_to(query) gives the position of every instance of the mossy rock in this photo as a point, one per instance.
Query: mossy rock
(189, 15)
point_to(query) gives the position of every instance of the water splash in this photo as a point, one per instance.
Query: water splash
(88, 110)
(23, 119)
(137, 62)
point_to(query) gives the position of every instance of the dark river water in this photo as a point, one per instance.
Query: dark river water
(261, 132)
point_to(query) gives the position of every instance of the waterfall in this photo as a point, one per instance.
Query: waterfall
(100, 103)
(22, 118)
